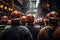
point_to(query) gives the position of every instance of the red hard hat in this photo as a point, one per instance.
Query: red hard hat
(52, 15)
(15, 15)
(4, 18)
(30, 16)
(35, 22)
(9, 22)
(47, 16)
(40, 19)
(21, 14)
(23, 18)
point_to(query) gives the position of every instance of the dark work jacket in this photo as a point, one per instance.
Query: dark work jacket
(16, 33)
(2, 27)
(3, 24)
(34, 31)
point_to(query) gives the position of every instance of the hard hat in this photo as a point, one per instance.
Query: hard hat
(30, 17)
(4, 18)
(15, 15)
(52, 15)
(9, 22)
(23, 18)
(40, 20)
(35, 22)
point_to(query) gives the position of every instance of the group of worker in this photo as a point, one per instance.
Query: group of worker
(25, 27)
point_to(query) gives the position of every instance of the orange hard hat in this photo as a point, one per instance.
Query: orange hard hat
(52, 15)
(23, 18)
(9, 22)
(21, 14)
(40, 19)
(15, 15)
(35, 22)
(4, 18)
(47, 16)
(30, 17)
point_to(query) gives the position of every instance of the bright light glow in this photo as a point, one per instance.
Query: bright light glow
(48, 5)
(9, 9)
(38, 19)
(34, 15)
(35, 10)
(1, 6)
(53, 12)
(5, 7)
(37, 1)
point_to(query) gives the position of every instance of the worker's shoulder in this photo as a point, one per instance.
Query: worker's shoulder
(45, 28)
(57, 30)
(23, 28)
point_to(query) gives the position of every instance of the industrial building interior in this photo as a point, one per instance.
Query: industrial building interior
(43, 13)
(39, 8)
